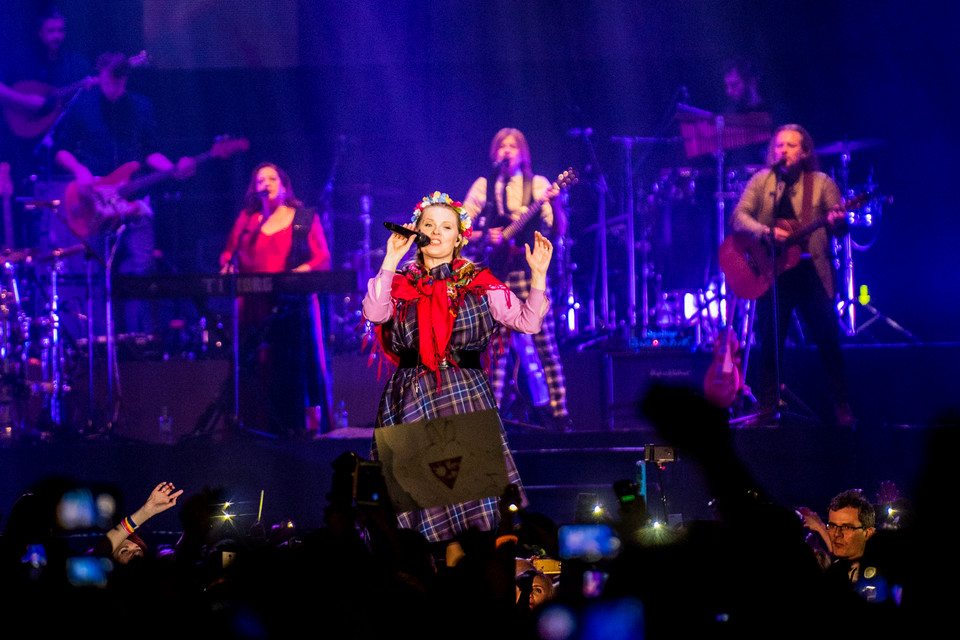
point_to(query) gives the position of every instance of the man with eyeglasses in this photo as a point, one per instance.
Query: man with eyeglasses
(850, 523)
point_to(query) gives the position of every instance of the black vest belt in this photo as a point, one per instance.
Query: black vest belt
(464, 359)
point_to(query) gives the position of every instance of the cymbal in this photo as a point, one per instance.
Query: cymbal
(34, 255)
(16, 255)
(846, 146)
(64, 252)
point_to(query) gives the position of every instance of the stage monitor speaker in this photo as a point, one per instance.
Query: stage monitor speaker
(628, 377)
(181, 389)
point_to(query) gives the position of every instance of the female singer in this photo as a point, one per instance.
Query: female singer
(274, 233)
(433, 320)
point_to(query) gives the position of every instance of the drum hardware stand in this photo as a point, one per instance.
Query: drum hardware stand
(567, 305)
(365, 201)
(600, 258)
(847, 308)
(91, 337)
(721, 219)
(628, 143)
(8, 376)
(647, 271)
(89, 256)
(52, 360)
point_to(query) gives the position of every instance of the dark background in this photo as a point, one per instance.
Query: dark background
(415, 90)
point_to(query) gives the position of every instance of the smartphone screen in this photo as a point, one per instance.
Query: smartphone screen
(87, 571)
(370, 484)
(588, 541)
(593, 582)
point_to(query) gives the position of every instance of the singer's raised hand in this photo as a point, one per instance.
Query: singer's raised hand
(397, 247)
(539, 260)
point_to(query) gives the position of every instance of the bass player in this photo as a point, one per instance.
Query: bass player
(789, 194)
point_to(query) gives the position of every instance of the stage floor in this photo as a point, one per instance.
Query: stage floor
(898, 393)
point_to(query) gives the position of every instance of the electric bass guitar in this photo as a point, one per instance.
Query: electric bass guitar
(29, 124)
(747, 263)
(516, 232)
(106, 201)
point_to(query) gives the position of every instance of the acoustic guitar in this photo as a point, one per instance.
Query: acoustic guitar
(29, 124)
(106, 201)
(747, 263)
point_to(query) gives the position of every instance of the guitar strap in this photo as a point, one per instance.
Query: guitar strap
(806, 205)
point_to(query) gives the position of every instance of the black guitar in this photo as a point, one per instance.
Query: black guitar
(515, 231)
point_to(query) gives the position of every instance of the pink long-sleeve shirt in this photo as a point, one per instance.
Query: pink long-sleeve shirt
(525, 316)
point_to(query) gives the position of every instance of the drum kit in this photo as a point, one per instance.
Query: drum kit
(32, 347)
(679, 250)
(39, 336)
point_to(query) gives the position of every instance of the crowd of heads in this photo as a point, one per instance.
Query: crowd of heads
(752, 570)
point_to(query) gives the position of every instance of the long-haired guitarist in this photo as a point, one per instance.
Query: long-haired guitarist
(494, 202)
(46, 66)
(31, 78)
(791, 193)
(102, 130)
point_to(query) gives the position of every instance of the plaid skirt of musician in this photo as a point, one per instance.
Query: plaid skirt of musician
(413, 394)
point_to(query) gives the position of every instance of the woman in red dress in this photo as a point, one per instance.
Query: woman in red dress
(274, 233)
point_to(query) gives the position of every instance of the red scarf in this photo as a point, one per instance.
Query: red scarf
(438, 296)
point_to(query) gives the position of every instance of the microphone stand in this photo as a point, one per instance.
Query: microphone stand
(235, 325)
(628, 207)
(46, 142)
(112, 407)
(777, 414)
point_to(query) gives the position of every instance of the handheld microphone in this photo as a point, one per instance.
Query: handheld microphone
(778, 166)
(263, 194)
(422, 238)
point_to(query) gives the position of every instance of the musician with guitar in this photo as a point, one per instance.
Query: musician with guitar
(32, 83)
(776, 203)
(35, 84)
(494, 203)
(103, 130)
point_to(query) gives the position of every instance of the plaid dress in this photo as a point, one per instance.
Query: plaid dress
(413, 394)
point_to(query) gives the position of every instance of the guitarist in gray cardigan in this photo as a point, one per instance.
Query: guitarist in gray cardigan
(777, 201)
(494, 202)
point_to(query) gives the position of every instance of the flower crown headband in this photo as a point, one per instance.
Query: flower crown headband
(466, 224)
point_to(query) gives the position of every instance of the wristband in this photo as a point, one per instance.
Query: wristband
(128, 525)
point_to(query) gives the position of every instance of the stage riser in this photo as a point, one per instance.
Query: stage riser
(888, 385)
